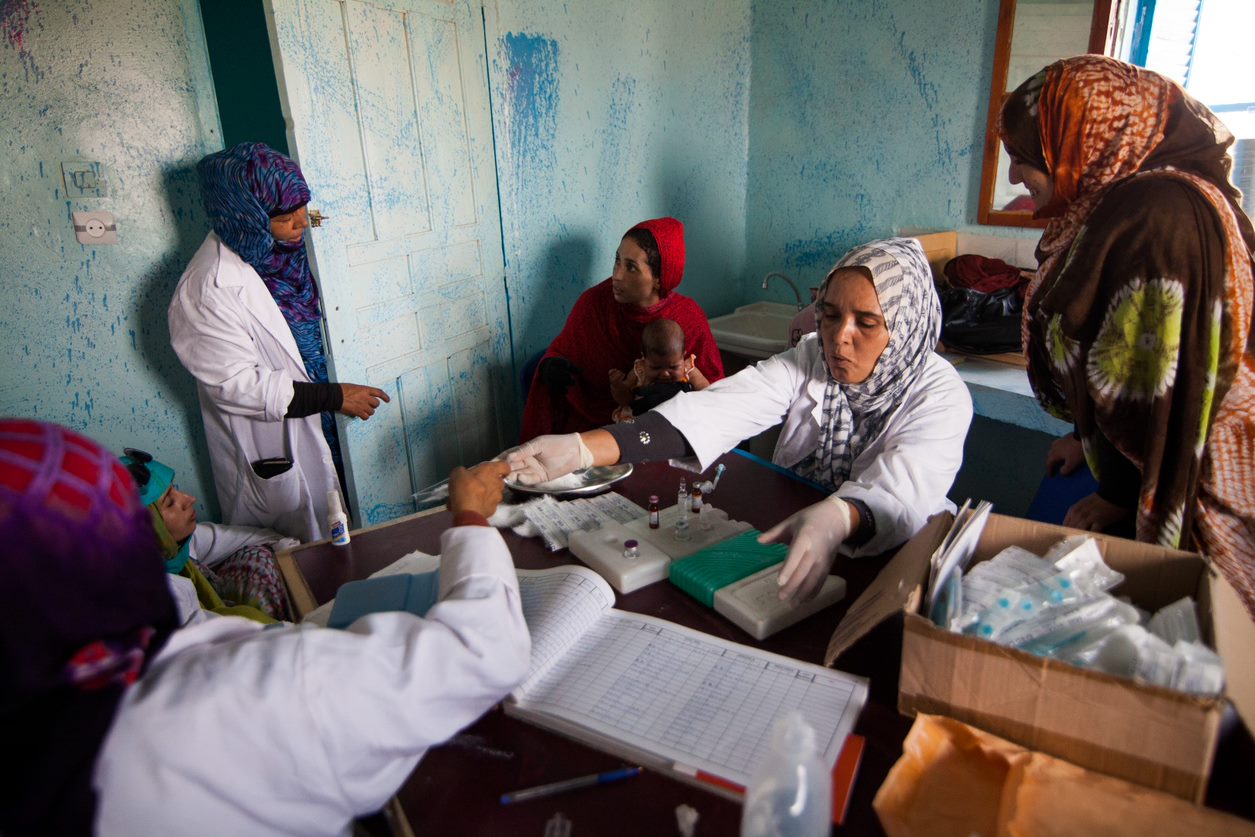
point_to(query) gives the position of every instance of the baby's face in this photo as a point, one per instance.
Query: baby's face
(665, 366)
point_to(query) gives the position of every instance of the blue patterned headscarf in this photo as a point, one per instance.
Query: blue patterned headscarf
(243, 187)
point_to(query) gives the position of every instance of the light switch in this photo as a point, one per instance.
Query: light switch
(95, 228)
(84, 180)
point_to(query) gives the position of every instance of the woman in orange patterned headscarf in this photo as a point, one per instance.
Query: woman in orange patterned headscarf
(1137, 326)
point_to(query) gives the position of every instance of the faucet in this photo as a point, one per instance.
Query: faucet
(798, 296)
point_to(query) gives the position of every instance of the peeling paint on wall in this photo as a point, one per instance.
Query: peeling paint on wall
(122, 85)
(606, 114)
(531, 96)
(14, 17)
(848, 144)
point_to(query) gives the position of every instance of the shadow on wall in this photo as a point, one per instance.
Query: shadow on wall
(182, 189)
(714, 263)
(569, 269)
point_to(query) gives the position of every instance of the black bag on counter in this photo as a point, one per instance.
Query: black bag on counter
(980, 323)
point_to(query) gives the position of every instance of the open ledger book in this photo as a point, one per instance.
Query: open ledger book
(660, 694)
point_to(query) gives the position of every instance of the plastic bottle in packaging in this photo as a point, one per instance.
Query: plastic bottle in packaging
(791, 792)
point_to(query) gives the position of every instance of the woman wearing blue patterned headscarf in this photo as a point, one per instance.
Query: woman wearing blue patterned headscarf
(246, 322)
(247, 190)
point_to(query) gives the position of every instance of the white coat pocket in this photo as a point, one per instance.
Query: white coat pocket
(269, 501)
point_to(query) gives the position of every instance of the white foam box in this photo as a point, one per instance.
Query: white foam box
(602, 550)
(753, 603)
(720, 528)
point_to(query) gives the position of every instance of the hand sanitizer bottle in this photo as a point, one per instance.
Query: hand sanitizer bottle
(791, 792)
(337, 520)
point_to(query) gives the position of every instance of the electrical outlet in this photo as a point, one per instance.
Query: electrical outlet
(95, 228)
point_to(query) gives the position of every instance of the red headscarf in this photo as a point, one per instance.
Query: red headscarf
(85, 603)
(669, 234)
(602, 334)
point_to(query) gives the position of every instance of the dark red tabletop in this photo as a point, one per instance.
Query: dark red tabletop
(456, 786)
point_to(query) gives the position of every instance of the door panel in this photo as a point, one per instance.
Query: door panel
(388, 109)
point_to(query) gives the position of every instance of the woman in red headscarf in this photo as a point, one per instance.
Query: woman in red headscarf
(571, 389)
(1137, 326)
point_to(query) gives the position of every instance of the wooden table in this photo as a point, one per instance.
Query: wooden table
(455, 787)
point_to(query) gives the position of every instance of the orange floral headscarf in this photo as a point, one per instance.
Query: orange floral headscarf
(1092, 121)
(1128, 292)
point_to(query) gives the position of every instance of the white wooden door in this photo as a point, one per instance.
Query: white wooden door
(388, 116)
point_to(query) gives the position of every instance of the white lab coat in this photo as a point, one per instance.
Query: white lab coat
(238, 730)
(214, 542)
(903, 476)
(229, 333)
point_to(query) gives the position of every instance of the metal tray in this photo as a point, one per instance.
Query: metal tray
(591, 481)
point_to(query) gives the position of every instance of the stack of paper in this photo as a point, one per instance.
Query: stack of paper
(945, 597)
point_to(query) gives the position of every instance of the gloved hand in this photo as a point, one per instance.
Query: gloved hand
(813, 535)
(546, 458)
(558, 374)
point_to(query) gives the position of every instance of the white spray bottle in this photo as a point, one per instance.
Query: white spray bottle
(337, 520)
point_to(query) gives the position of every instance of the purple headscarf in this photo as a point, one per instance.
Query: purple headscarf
(243, 187)
(86, 607)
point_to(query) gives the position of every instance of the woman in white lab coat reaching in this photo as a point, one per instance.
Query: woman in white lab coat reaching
(870, 411)
(246, 322)
(121, 723)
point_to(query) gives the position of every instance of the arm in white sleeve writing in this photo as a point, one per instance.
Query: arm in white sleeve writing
(414, 683)
(296, 730)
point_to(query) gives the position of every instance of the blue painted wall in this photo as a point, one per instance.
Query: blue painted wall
(864, 117)
(124, 83)
(608, 113)
(780, 132)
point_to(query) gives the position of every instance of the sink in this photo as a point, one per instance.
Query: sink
(757, 330)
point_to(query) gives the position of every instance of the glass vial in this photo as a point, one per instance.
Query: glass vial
(631, 549)
(681, 532)
(697, 499)
(682, 502)
(653, 511)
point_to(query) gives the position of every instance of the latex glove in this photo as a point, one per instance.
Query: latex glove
(284, 545)
(546, 458)
(813, 535)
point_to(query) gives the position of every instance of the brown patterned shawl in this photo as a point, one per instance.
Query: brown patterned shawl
(1138, 324)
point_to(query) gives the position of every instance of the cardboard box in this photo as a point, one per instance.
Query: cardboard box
(1153, 736)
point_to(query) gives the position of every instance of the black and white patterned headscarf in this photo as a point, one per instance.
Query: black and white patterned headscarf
(854, 415)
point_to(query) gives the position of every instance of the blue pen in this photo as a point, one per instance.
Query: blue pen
(570, 784)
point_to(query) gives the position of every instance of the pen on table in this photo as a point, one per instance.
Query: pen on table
(570, 784)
